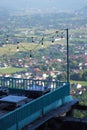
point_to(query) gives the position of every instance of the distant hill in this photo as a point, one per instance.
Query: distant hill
(8, 7)
(82, 12)
(39, 4)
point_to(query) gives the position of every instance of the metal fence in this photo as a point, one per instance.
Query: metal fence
(21, 83)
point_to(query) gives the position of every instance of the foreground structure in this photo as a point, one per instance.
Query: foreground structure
(27, 103)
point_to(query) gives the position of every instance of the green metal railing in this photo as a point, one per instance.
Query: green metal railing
(20, 117)
(17, 119)
(21, 83)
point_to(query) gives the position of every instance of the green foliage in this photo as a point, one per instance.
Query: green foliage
(81, 76)
(83, 101)
(73, 64)
(79, 114)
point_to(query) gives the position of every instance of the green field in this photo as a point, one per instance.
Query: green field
(11, 49)
(83, 83)
(11, 70)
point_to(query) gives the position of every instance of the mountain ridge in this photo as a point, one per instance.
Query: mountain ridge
(46, 4)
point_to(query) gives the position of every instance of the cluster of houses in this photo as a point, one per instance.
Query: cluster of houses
(77, 89)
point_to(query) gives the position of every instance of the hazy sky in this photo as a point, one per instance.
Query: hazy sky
(60, 4)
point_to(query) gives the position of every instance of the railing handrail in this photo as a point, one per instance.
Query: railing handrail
(24, 83)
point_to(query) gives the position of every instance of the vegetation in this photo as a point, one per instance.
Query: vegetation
(11, 70)
(83, 83)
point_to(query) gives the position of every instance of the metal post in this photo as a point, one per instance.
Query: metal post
(67, 38)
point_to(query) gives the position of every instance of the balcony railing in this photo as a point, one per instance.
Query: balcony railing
(20, 83)
(17, 119)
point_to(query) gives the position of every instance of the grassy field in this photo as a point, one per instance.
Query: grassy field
(11, 70)
(11, 49)
(83, 83)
